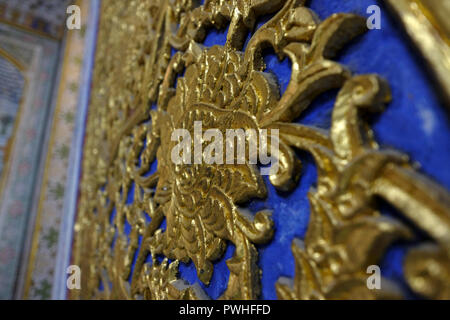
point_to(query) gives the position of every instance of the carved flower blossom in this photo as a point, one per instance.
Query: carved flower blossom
(200, 200)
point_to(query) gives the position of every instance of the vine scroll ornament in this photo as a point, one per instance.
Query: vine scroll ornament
(153, 75)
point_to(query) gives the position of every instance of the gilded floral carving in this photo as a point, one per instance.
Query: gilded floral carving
(137, 105)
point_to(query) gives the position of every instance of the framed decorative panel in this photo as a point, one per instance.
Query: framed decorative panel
(363, 150)
(25, 104)
(44, 17)
(11, 92)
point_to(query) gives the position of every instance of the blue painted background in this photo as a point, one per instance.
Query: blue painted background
(415, 122)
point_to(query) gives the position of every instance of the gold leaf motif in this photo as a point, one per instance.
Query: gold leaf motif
(426, 270)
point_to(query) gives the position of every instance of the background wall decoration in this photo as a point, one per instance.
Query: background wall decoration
(40, 148)
(146, 228)
(39, 58)
(12, 86)
(44, 16)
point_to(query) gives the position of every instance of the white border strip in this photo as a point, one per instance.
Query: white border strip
(59, 291)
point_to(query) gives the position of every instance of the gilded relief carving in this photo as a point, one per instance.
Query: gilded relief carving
(138, 104)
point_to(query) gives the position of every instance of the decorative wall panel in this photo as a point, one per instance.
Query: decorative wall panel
(12, 85)
(350, 191)
(38, 58)
(45, 16)
(42, 262)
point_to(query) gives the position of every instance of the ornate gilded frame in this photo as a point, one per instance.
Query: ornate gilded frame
(426, 22)
(227, 88)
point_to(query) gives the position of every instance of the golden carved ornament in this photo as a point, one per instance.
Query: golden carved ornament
(142, 92)
(427, 24)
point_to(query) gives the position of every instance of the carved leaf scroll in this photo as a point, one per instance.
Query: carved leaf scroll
(153, 75)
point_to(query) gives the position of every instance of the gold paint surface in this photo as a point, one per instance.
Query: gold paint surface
(427, 24)
(226, 87)
(437, 11)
